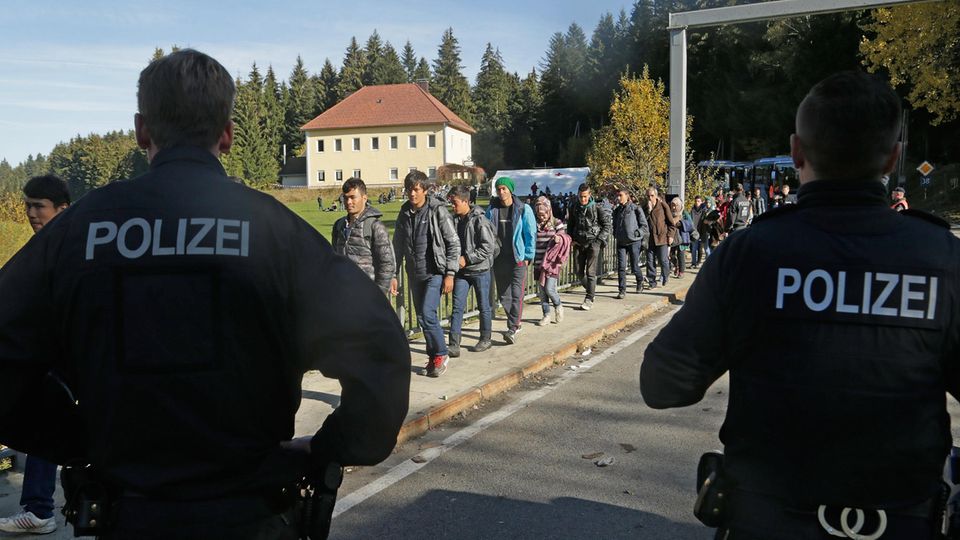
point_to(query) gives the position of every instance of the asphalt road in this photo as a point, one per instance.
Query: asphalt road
(525, 476)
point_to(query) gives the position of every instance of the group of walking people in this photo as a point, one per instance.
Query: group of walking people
(461, 247)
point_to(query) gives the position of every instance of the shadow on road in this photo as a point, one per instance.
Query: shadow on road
(460, 515)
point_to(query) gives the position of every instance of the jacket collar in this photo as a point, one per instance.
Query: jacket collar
(187, 153)
(842, 193)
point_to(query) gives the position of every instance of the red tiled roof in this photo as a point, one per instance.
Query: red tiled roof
(387, 105)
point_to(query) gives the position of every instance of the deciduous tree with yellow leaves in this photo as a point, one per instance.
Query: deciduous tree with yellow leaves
(919, 46)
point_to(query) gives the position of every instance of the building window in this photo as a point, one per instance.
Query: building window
(337, 145)
(319, 145)
(432, 173)
(356, 144)
(339, 175)
(411, 141)
(393, 142)
(375, 143)
(356, 173)
(394, 174)
(411, 169)
(431, 141)
(321, 176)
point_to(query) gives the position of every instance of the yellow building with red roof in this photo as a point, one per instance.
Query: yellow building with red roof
(381, 133)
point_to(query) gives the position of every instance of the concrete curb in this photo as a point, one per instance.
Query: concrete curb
(438, 414)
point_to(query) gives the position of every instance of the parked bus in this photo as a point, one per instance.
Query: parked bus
(770, 173)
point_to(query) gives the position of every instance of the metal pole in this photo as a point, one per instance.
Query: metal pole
(678, 109)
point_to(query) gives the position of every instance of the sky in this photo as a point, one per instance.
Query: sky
(70, 68)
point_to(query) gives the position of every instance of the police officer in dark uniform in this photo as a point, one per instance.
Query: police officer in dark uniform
(182, 309)
(837, 424)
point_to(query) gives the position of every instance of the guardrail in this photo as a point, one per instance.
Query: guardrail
(403, 303)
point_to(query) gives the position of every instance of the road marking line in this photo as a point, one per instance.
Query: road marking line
(408, 467)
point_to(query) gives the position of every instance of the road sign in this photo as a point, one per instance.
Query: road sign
(925, 168)
(924, 181)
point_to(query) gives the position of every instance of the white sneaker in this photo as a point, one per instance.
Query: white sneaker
(586, 305)
(558, 314)
(545, 320)
(27, 523)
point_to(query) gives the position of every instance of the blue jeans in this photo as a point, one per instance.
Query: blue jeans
(548, 294)
(39, 483)
(481, 292)
(695, 247)
(426, 300)
(631, 251)
(661, 253)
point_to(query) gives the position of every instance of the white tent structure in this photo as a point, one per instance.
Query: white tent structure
(559, 180)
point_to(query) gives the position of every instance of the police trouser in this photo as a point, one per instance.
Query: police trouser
(240, 518)
(751, 516)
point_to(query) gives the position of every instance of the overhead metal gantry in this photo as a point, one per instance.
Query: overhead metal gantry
(763, 11)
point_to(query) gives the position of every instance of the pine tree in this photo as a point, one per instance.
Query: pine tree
(389, 69)
(525, 104)
(373, 54)
(449, 85)
(299, 107)
(327, 84)
(256, 128)
(491, 94)
(603, 69)
(409, 60)
(422, 73)
(351, 74)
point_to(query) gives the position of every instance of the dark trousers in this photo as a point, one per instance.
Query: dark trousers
(654, 254)
(481, 293)
(239, 519)
(754, 517)
(631, 252)
(511, 276)
(426, 301)
(586, 266)
(39, 483)
(695, 251)
(678, 259)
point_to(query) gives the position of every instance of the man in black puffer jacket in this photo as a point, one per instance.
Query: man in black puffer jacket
(478, 247)
(362, 237)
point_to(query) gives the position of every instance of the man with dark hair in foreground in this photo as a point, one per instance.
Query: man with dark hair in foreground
(837, 419)
(182, 309)
(362, 237)
(44, 197)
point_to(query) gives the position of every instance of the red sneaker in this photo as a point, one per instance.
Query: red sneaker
(439, 365)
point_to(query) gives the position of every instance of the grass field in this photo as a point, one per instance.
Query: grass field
(14, 235)
(323, 221)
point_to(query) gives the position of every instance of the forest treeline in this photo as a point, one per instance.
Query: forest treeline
(744, 82)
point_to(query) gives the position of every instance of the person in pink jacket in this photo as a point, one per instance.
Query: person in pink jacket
(553, 249)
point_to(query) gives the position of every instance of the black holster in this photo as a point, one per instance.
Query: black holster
(88, 500)
(318, 496)
(712, 492)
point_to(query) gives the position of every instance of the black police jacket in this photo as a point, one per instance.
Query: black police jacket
(183, 309)
(839, 353)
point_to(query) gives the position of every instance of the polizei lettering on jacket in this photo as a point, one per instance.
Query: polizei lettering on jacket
(138, 237)
(898, 298)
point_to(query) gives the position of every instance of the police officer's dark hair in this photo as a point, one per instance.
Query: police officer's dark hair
(49, 187)
(848, 124)
(354, 183)
(185, 98)
(414, 179)
(460, 192)
(582, 188)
